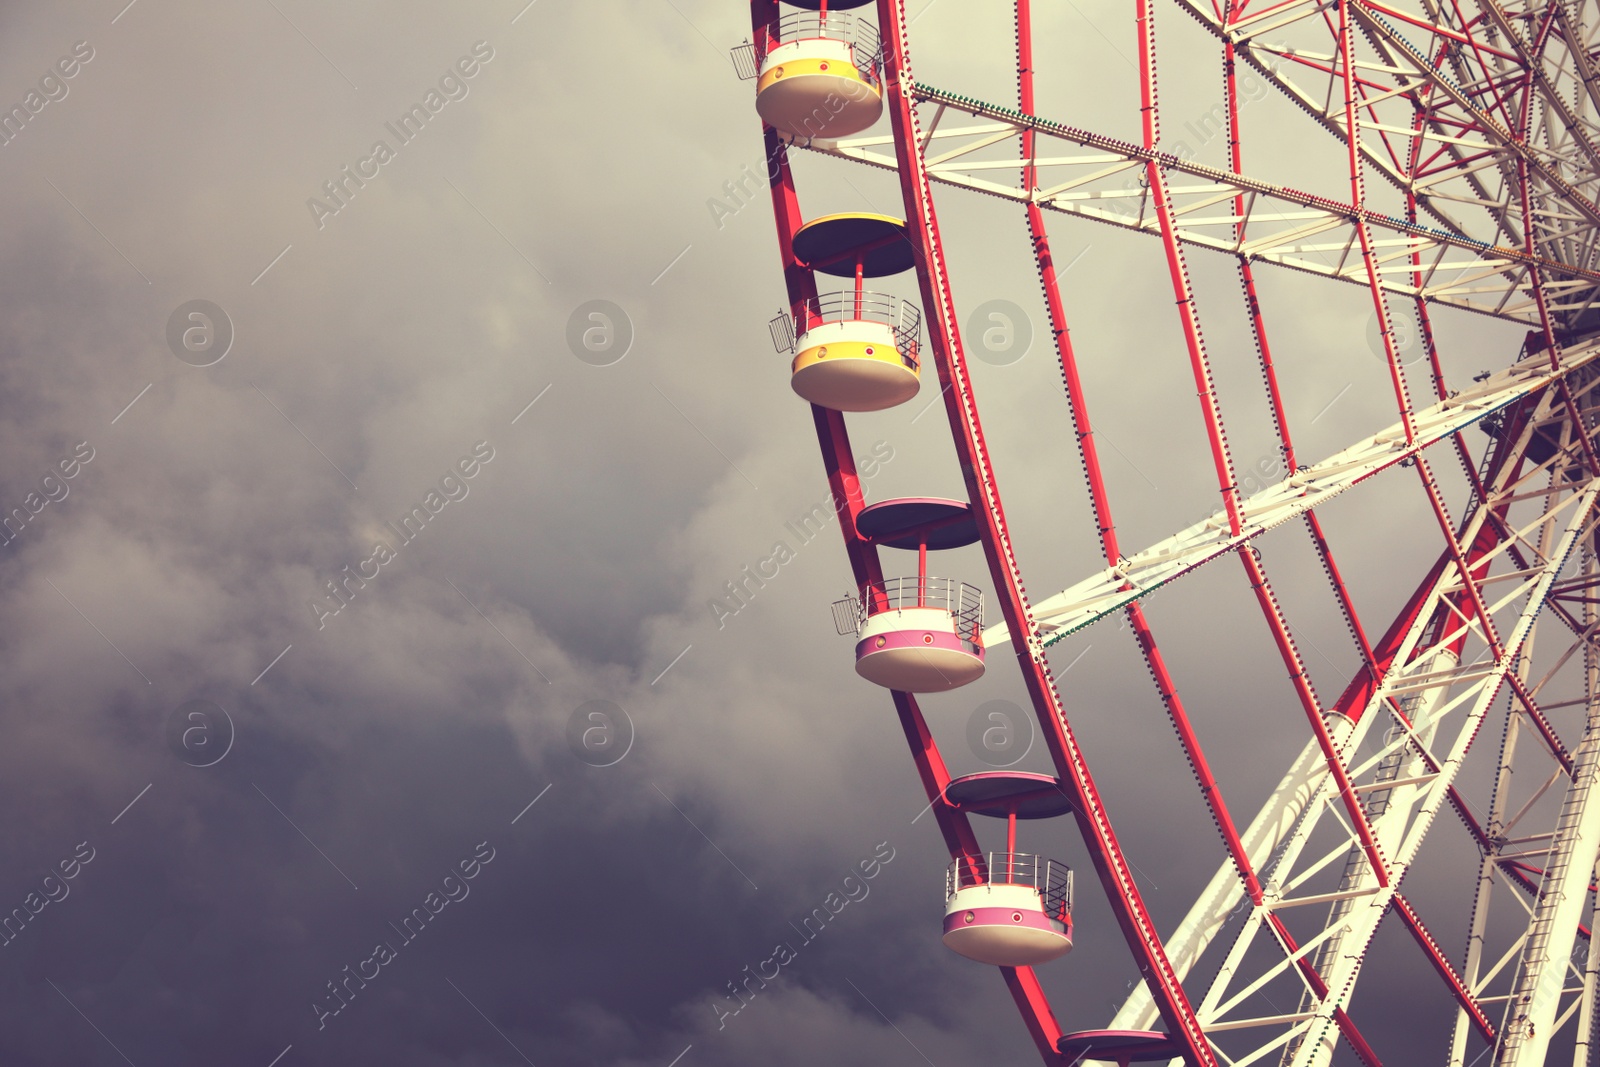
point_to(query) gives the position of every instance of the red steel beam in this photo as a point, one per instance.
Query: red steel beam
(1211, 412)
(1193, 750)
(970, 446)
(971, 450)
(843, 481)
(1431, 949)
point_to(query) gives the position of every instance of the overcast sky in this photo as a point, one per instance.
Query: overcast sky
(253, 790)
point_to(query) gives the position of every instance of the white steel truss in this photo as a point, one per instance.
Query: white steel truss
(1541, 997)
(1442, 107)
(1101, 178)
(1311, 486)
(1431, 703)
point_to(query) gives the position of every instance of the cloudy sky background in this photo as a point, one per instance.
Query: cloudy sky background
(374, 351)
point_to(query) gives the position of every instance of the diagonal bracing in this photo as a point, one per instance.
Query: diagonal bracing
(1311, 486)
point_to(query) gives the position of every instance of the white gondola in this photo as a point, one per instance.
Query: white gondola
(917, 635)
(1010, 909)
(853, 351)
(820, 76)
(921, 634)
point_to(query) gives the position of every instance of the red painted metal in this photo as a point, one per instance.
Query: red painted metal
(1209, 788)
(1145, 637)
(1211, 412)
(953, 824)
(843, 481)
(1319, 988)
(1057, 311)
(1143, 634)
(1156, 179)
(1314, 714)
(1436, 956)
(1505, 96)
(1380, 306)
(1037, 1014)
(1541, 723)
(1269, 375)
(945, 341)
(1437, 30)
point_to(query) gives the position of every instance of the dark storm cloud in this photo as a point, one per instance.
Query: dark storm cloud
(376, 343)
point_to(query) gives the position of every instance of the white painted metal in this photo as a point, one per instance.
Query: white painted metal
(1563, 895)
(1584, 1038)
(1136, 576)
(1267, 836)
(1559, 148)
(1403, 784)
(1445, 732)
(1100, 178)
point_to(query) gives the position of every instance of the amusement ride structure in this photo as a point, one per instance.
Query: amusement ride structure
(1471, 133)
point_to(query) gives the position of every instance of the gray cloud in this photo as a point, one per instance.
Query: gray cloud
(372, 354)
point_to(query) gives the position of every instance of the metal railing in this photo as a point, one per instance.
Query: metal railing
(782, 329)
(963, 601)
(1052, 879)
(859, 34)
(903, 318)
(744, 61)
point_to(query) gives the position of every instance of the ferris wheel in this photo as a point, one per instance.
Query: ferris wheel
(1470, 132)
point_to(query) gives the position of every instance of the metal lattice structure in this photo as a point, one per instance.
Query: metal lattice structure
(1471, 137)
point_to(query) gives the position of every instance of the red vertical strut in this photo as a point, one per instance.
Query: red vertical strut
(1093, 821)
(843, 481)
